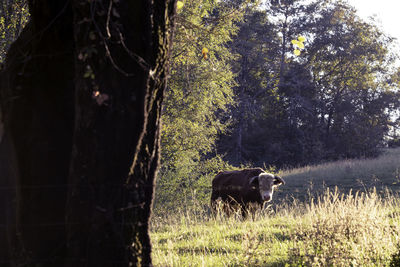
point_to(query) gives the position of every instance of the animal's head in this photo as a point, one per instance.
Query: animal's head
(266, 182)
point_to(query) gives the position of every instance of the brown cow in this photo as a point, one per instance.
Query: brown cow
(244, 187)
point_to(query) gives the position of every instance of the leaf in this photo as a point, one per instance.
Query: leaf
(296, 52)
(295, 42)
(204, 51)
(300, 45)
(301, 38)
(86, 74)
(179, 5)
(100, 98)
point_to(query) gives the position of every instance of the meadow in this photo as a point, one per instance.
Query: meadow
(344, 213)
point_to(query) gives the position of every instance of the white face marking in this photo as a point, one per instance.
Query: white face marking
(266, 183)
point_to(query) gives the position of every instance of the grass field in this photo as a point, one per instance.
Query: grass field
(353, 174)
(345, 213)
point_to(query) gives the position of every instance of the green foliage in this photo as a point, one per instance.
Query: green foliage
(351, 62)
(13, 17)
(186, 186)
(197, 98)
(336, 100)
(236, 83)
(256, 69)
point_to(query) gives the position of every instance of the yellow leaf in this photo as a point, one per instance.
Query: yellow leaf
(204, 51)
(295, 42)
(179, 4)
(301, 38)
(296, 52)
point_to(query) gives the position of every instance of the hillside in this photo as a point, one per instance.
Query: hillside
(382, 172)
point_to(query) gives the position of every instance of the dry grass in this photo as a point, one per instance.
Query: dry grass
(337, 227)
(342, 230)
(350, 174)
(334, 230)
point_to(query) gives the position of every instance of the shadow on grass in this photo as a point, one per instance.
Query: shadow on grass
(281, 236)
(202, 251)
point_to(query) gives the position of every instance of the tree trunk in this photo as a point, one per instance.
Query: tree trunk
(81, 98)
(37, 106)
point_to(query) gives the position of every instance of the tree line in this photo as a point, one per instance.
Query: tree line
(335, 100)
(253, 101)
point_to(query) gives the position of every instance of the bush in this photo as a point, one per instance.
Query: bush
(183, 187)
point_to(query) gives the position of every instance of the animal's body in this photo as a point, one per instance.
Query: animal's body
(244, 187)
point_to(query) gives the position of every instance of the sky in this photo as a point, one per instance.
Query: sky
(386, 11)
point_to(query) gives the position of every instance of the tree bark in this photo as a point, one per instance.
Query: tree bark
(37, 107)
(81, 97)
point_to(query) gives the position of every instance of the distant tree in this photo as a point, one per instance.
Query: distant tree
(263, 132)
(335, 99)
(81, 97)
(257, 72)
(351, 64)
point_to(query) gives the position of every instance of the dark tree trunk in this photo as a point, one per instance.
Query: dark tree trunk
(37, 103)
(81, 97)
(123, 130)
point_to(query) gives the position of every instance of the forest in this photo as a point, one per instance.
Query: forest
(253, 102)
(276, 84)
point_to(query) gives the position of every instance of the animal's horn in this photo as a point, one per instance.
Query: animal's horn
(279, 180)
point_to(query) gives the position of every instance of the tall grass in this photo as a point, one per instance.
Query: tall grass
(361, 229)
(348, 174)
(348, 230)
(355, 223)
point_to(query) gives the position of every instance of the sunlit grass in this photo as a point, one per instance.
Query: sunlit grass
(329, 227)
(334, 230)
(348, 229)
(349, 174)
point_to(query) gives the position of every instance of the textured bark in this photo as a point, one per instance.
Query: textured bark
(124, 130)
(81, 96)
(36, 101)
